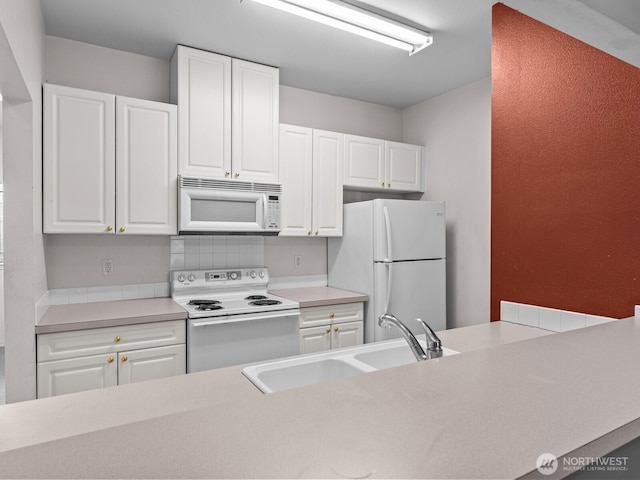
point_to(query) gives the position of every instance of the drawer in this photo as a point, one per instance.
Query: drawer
(345, 312)
(82, 343)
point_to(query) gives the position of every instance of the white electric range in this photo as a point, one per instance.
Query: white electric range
(232, 319)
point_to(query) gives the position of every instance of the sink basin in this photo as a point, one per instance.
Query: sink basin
(392, 357)
(286, 374)
(310, 369)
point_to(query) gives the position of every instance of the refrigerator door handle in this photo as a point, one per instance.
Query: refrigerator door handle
(388, 261)
(386, 306)
(387, 229)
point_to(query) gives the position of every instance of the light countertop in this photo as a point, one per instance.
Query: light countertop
(319, 296)
(81, 316)
(514, 393)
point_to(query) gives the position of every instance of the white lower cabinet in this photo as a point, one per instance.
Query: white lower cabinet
(81, 360)
(331, 326)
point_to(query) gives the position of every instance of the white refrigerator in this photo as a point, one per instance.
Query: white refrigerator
(394, 251)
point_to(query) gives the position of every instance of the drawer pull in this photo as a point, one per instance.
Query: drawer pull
(117, 339)
(332, 316)
(110, 360)
(125, 358)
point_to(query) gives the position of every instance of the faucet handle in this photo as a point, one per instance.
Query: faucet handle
(433, 342)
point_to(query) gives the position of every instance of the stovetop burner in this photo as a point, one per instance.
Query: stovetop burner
(262, 303)
(256, 297)
(203, 302)
(208, 307)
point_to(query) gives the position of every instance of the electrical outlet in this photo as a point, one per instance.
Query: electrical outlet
(297, 261)
(107, 267)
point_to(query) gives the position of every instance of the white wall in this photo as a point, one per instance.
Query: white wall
(81, 65)
(22, 65)
(456, 130)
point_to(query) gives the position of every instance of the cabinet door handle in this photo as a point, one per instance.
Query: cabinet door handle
(109, 228)
(124, 358)
(316, 232)
(237, 175)
(121, 229)
(382, 184)
(110, 360)
(226, 174)
(117, 339)
(309, 232)
(331, 315)
(329, 330)
(336, 329)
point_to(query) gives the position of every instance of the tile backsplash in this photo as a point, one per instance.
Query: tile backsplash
(216, 251)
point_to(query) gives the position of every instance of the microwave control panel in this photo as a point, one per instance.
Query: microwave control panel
(273, 212)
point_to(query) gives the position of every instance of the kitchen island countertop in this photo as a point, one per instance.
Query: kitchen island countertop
(486, 413)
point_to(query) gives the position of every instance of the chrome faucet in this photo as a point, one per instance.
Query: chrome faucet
(434, 345)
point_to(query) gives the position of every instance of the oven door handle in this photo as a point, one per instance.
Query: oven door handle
(243, 318)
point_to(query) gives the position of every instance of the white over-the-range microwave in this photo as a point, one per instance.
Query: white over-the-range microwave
(222, 206)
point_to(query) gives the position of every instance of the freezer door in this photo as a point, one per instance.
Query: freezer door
(408, 230)
(418, 290)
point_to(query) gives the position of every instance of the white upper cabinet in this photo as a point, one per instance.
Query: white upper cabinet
(328, 171)
(255, 121)
(403, 166)
(228, 114)
(312, 169)
(364, 162)
(201, 86)
(88, 186)
(374, 164)
(296, 155)
(146, 167)
(78, 161)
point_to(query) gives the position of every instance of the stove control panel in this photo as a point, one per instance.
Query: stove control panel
(244, 276)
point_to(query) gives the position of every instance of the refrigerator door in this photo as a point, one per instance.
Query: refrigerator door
(418, 290)
(408, 230)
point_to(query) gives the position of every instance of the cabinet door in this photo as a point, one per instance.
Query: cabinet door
(364, 162)
(328, 175)
(76, 375)
(151, 363)
(201, 86)
(78, 161)
(404, 166)
(346, 335)
(147, 199)
(315, 339)
(255, 121)
(296, 175)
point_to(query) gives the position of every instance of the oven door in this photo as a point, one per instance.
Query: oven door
(217, 342)
(210, 210)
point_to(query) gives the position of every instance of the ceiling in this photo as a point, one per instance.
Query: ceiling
(310, 56)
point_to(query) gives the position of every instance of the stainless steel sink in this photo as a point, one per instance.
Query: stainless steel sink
(311, 369)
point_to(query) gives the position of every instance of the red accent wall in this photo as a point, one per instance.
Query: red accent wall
(565, 192)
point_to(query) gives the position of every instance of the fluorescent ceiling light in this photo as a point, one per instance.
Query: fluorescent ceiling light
(355, 20)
